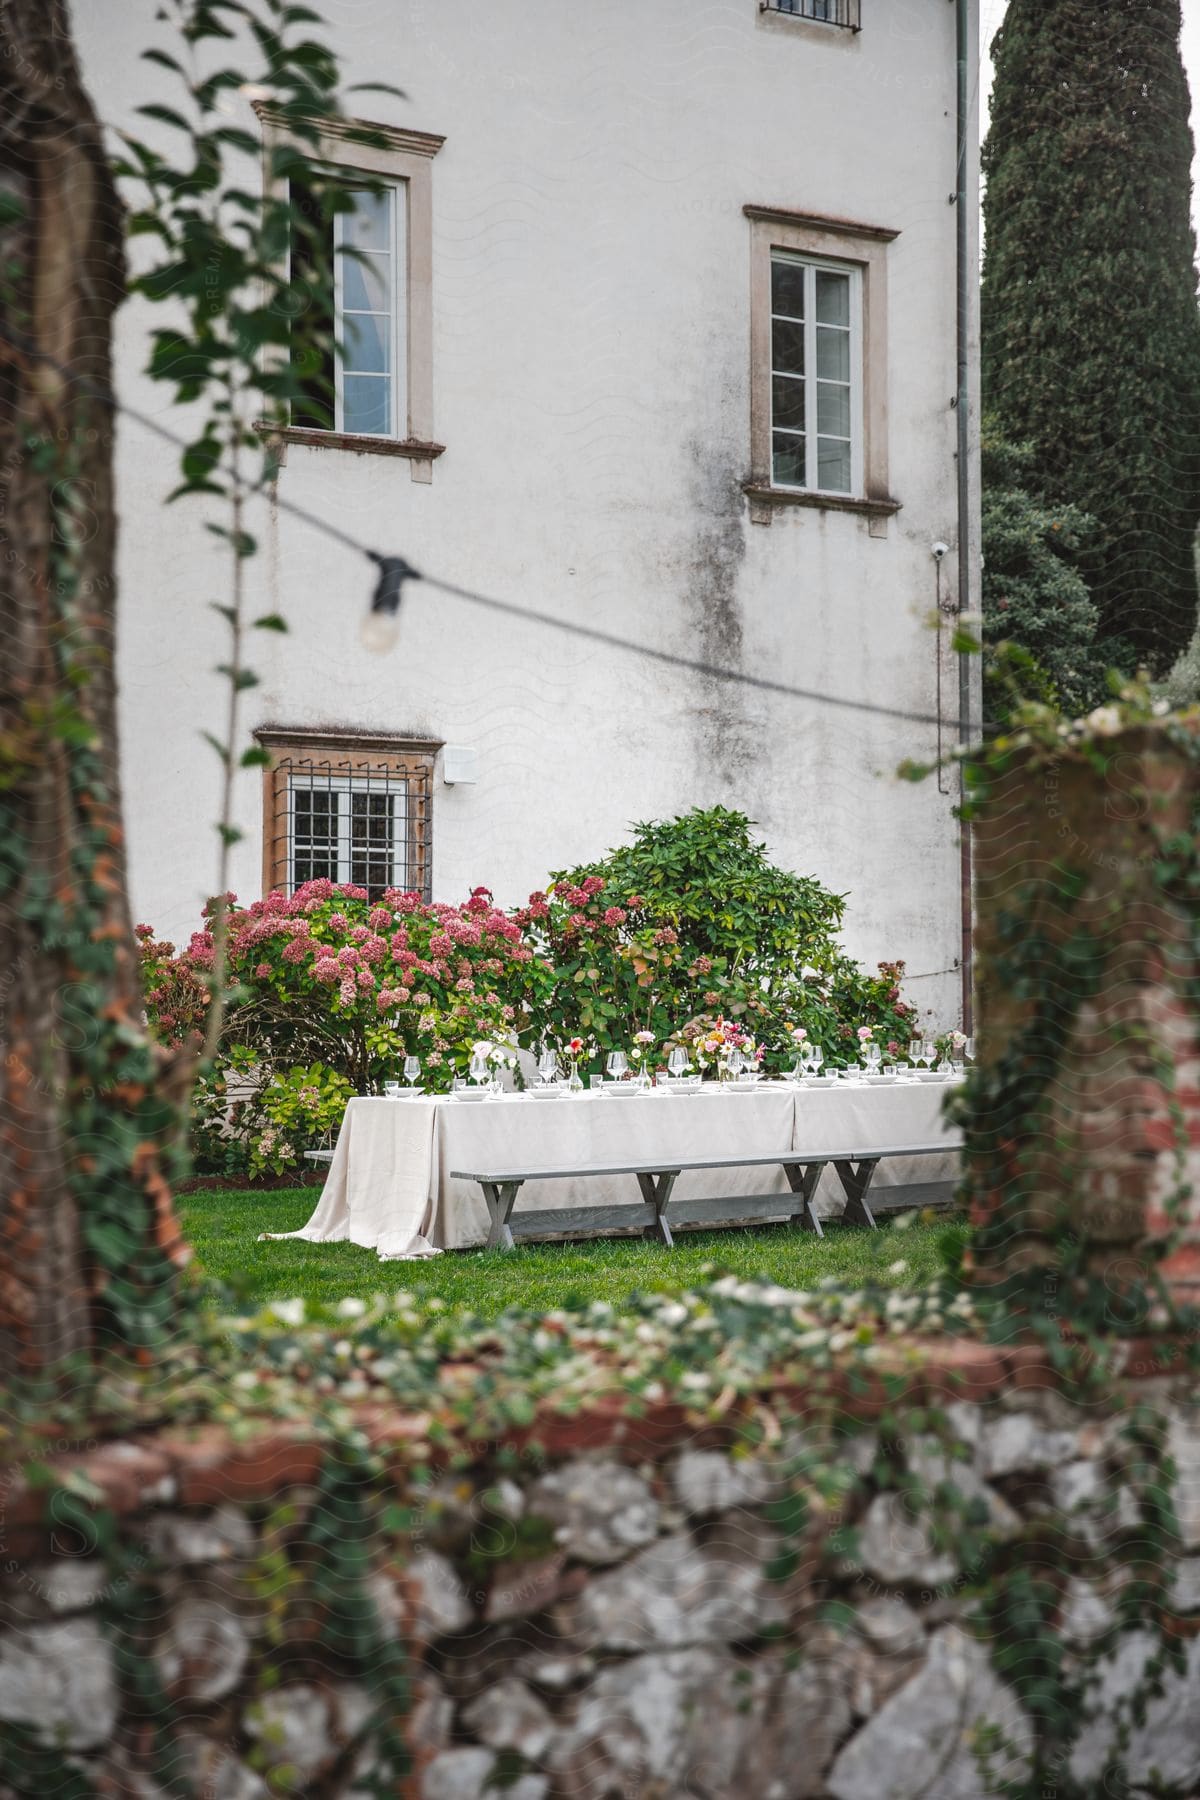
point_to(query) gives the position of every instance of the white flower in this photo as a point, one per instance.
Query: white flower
(350, 1308)
(1105, 721)
(899, 1267)
(288, 1312)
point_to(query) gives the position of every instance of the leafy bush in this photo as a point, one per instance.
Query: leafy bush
(690, 924)
(685, 930)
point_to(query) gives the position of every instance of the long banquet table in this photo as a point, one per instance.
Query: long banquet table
(389, 1185)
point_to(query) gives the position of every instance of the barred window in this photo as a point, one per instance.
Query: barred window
(845, 13)
(352, 810)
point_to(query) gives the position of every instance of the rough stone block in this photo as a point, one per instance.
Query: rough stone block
(509, 1716)
(923, 1740)
(57, 1681)
(679, 1592)
(1163, 1751)
(601, 1509)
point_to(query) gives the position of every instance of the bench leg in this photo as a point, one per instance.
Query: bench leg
(803, 1181)
(500, 1198)
(656, 1191)
(856, 1180)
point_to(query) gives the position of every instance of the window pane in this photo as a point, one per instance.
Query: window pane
(788, 461)
(787, 402)
(833, 409)
(367, 343)
(314, 835)
(833, 466)
(366, 404)
(787, 287)
(833, 354)
(787, 347)
(372, 841)
(369, 224)
(366, 281)
(833, 298)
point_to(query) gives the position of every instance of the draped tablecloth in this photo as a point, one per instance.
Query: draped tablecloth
(389, 1187)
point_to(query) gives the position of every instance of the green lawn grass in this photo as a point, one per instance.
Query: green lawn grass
(223, 1229)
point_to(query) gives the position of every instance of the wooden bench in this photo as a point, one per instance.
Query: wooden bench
(803, 1168)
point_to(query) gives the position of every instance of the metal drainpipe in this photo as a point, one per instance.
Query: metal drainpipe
(963, 277)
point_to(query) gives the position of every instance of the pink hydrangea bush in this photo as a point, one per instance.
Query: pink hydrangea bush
(328, 974)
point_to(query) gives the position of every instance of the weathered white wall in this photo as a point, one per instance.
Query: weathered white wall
(591, 370)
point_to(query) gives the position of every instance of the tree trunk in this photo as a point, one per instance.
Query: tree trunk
(88, 1239)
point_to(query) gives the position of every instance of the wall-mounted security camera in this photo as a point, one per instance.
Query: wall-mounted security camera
(938, 550)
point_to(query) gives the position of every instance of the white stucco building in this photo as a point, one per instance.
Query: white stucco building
(668, 294)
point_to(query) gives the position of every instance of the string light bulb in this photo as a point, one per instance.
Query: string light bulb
(380, 629)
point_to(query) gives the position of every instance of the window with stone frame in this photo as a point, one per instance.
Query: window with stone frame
(354, 809)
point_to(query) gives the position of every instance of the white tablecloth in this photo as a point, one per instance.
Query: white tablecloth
(389, 1185)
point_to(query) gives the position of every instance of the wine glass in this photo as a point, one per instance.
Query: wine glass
(547, 1066)
(617, 1064)
(968, 1050)
(872, 1055)
(677, 1061)
(479, 1066)
(412, 1070)
(929, 1053)
(737, 1063)
(915, 1051)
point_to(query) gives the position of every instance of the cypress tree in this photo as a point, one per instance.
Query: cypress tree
(1091, 333)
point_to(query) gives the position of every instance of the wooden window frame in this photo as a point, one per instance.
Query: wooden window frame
(403, 159)
(347, 761)
(396, 376)
(812, 434)
(820, 238)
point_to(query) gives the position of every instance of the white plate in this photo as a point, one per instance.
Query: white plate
(405, 1093)
(624, 1090)
(547, 1093)
(931, 1075)
(881, 1080)
(819, 1081)
(469, 1094)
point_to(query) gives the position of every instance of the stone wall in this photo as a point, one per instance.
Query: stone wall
(637, 1607)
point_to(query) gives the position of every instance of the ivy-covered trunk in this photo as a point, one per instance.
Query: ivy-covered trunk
(88, 1240)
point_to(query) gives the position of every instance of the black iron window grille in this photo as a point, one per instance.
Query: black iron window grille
(846, 14)
(355, 816)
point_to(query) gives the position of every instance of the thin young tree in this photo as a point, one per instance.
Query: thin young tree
(1091, 334)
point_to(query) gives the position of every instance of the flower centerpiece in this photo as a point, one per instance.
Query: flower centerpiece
(639, 1055)
(573, 1049)
(730, 1046)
